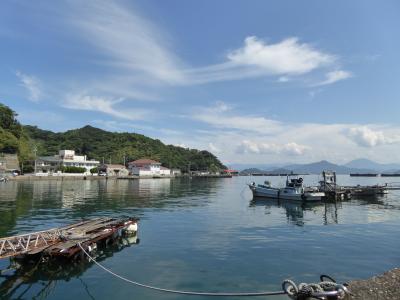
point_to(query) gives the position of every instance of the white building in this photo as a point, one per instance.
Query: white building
(147, 167)
(65, 158)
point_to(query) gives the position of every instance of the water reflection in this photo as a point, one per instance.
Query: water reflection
(46, 274)
(31, 203)
(296, 211)
(195, 234)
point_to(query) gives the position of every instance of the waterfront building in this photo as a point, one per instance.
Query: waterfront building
(65, 158)
(9, 163)
(113, 170)
(147, 167)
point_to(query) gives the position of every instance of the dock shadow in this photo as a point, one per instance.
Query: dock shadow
(25, 274)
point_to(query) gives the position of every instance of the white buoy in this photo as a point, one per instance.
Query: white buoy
(132, 228)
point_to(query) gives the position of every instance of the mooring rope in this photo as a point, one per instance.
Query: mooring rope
(223, 294)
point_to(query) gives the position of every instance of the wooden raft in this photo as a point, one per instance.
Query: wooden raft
(62, 242)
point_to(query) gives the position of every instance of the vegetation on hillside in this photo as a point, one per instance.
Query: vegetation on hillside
(97, 144)
(119, 147)
(12, 137)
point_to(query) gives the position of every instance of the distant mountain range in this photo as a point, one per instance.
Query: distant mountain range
(369, 164)
(354, 166)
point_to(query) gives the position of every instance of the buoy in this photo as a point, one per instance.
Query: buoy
(132, 228)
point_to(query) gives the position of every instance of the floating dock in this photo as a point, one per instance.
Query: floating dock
(63, 242)
(364, 174)
(332, 190)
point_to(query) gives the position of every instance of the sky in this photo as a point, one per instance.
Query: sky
(251, 81)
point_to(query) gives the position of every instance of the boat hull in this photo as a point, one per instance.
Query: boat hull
(263, 192)
(283, 194)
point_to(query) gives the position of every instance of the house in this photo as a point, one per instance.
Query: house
(147, 167)
(9, 163)
(113, 170)
(65, 158)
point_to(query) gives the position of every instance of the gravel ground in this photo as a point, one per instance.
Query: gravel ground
(381, 287)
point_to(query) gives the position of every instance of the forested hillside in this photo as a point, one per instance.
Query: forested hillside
(103, 145)
(12, 137)
(97, 144)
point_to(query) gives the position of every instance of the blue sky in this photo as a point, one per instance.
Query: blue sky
(251, 81)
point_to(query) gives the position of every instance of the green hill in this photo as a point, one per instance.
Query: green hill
(103, 145)
(12, 137)
(97, 144)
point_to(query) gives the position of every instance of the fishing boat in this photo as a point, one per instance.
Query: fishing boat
(294, 190)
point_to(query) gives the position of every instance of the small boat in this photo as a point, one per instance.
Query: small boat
(294, 190)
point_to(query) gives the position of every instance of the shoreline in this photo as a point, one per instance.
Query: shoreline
(383, 287)
(90, 177)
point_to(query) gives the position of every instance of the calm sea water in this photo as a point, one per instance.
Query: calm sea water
(201, 235)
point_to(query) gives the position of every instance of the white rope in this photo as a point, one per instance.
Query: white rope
(180, 292)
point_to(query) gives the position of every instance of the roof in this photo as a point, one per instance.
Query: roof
(113, 166)
(144, 161)
(50, 158)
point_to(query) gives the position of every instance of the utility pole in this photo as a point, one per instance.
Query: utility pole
(34, 151)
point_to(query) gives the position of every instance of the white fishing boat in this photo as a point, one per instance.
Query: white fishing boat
(294, 190)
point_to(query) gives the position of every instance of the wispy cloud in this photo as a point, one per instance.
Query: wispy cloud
(107, 106)
(129, 42)
(31, 84)
(334, 76)
(213, 148)
(292, 148)
(220, 116)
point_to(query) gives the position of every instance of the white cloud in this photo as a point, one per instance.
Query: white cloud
(142, 62)
(30, 83)
(287, 57)
(334, 76)
(94, 103)
(366, 137)
(290, 149)
(257, 58)
(294, 149)
(255, 139)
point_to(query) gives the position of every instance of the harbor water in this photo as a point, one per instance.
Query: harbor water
(201, 235)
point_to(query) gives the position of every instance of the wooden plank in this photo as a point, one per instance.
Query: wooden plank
(93, 227)
(51, 242)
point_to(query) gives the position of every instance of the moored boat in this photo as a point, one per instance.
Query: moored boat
(294, 190)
